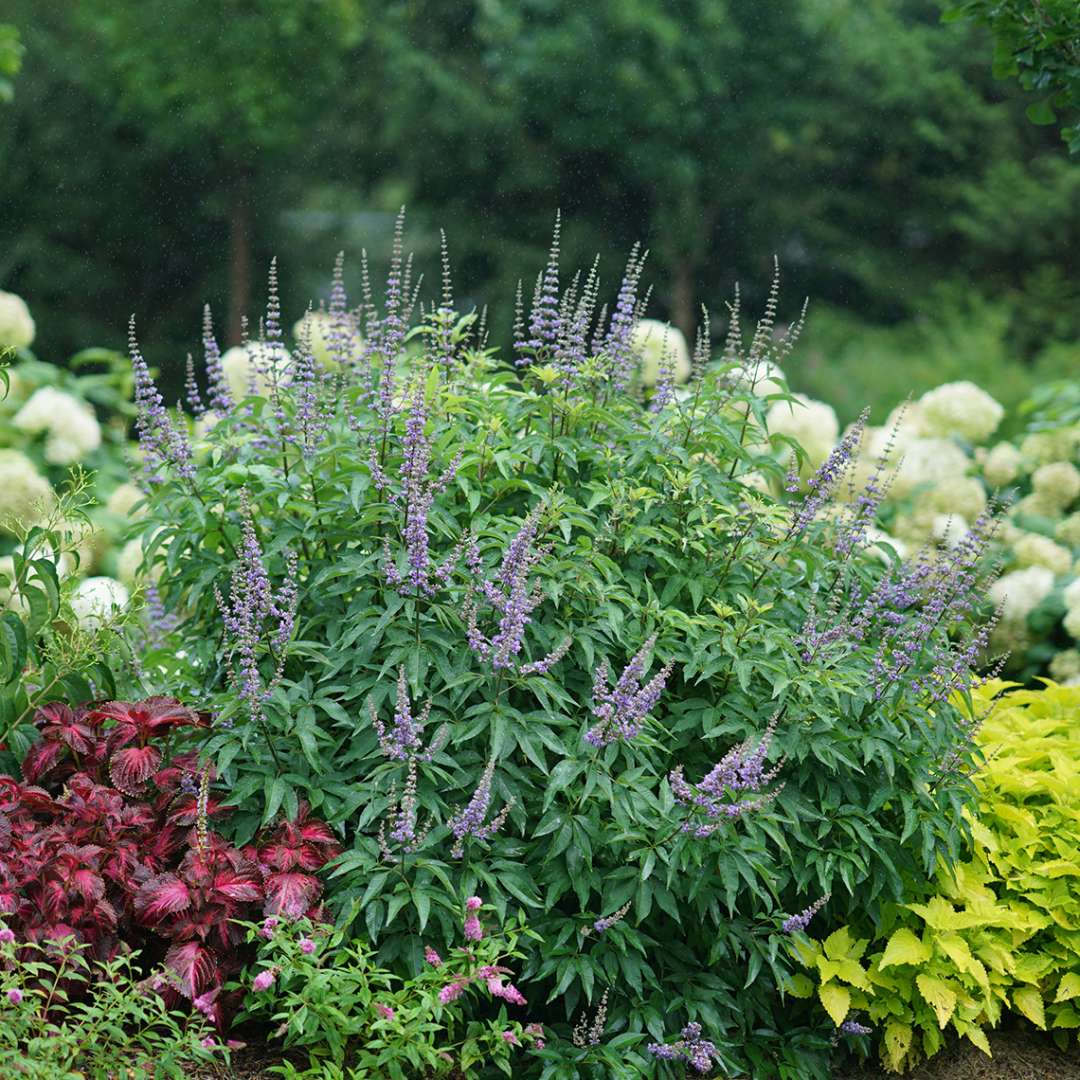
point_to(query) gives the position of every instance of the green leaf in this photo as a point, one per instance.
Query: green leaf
(837, 1001)
(905, 948)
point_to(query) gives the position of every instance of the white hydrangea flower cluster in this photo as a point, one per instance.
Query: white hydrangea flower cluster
(812, 424)
(16, 324)
(98, 601)
(71, 426)
(960, 410)
(653, 341)
(24, 493)
(253, 367)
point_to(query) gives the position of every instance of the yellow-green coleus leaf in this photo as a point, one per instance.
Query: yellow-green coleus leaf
(939, 996)
(895, 1044)
(905, 948)
(1028, 1001)
(1069, 987)
(836, 1000)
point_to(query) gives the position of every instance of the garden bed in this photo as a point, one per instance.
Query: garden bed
(1020, 1053)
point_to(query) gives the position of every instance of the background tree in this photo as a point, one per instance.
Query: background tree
(1037, 41)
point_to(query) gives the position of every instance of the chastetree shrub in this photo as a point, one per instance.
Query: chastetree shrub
(523, 626)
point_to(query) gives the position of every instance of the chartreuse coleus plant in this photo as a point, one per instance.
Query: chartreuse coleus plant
(1003, 931)
(513, 628)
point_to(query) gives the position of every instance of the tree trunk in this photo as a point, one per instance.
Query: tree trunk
(239, 256)
(683, 313)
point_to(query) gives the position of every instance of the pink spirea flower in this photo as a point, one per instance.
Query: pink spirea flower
(14, 995)
(7, 935)
(384, 1011)
(451, 992)
(307, 946)
(512, 994)
(432, 957)
(268, 926)
(208, 1043)
(263, 981)
(511, 1038)
(473, 930)
(204, 1003)
(474, 903)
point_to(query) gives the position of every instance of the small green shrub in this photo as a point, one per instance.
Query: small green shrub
(65, 1016)
(1003, 932)
(328, 996)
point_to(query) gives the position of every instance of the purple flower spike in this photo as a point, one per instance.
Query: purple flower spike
(621, 711)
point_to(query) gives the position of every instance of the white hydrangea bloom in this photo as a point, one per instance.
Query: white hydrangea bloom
(24, 492)
(129, 562)
(97, 601)
(252, 365)
(960, 409)
(1072, 594)
(1002, 465)
(1041, 447)
(949, 529)
(73, 429)
(902, 427)
(812, 424)
(762, 378)
(1071, 622)
(1021, 591)
(1035, 504)
(928, 461)
(1067, 531)
(321, 328)
(1057, 483)
(16, 326)
(652, 340)
(962, 495)
(1065, 665)
(1035, 550)
(122, 501)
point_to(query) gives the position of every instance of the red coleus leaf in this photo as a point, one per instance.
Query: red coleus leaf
(194, 966)
(185, 809)
(40, 759)
(290, 894)
(243, 885)
(10, 793)
(143, 720)
(60, 723)
(131, 767)
(164, 894)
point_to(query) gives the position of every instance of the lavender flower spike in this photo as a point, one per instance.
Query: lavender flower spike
(621, 711)
(469, 821)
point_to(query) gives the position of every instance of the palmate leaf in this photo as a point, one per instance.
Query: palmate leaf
(132, 766)
(194, 966)
(290, 894)
(163, 895)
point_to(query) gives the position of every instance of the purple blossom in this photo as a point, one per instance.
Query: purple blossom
(15, 995)
(853, 1027)
(621, 711)
(307, 946)
(311, 387)
(618, 342)
(264, 980)
(218, 386)
(432, 957)
(512, 595)
(163, 443)
(608, 921)
(795, 923)
(697, 1052)
(403, 740)
(191, 389)
(828, 476)
(469, 821)
(256, 617)
(418, 493)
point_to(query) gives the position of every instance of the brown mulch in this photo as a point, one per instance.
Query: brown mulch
(1020, 1053)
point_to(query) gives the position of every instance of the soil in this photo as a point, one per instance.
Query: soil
(1019, 1054)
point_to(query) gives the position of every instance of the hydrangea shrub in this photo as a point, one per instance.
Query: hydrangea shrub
(526, 626)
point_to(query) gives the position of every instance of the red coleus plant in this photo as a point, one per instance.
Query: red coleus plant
(106, 843)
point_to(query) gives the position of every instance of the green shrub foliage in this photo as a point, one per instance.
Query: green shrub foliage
(1000, 934)
(525, 627)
